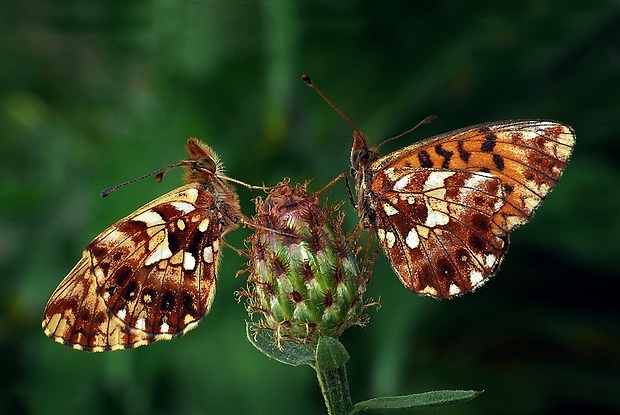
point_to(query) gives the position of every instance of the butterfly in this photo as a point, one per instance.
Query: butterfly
(443, 208)
(150, 276)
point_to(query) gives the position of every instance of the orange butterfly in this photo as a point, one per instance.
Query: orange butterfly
(442, 208)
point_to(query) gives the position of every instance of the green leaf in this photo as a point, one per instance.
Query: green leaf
(418, 400)
(290, 353)
(330, 354)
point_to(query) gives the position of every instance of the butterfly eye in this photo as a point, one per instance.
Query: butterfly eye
(206, 163)
(358, 157)
(353, 172)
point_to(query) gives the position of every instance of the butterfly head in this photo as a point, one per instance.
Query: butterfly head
(203, 162)
(361, 155)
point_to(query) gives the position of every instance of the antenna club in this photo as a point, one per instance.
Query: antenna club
(106, 192)
(430, 119)
(306, 78)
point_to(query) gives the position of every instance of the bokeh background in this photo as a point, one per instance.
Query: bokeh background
(95, 93)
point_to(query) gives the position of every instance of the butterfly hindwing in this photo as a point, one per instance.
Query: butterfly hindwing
(435, 227)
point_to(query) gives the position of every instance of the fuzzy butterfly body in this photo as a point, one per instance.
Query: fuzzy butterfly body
(150, 276)
(442, 208)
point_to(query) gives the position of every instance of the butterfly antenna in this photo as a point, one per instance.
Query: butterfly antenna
(311, 84)
(427, 120)
(159, 175)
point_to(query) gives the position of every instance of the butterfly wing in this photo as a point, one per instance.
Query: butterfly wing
(527, 156)
(150, 276)
(435, 227)
(442, 208)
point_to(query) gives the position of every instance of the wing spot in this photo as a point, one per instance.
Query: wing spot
(188, 304)
(147, 297)
(463, 154)
(445, 267)
(489, 142)
(454, 289)
(167, 301)
(141, 324)
(119, 254)
(446, 154)
(475, 277)
(203, 225)
(490, 260)
(412, 240)
(122, 274)
(436, 180)
(99, 274)
(130, 292)
(425, 159)
(402, 183)
(208, 254)
(183, 206)
(476, 243)
(462, 255)
(428, 290)
(498, 161)
(122, 313)
(149, 218)
(159, 252)
(480, 222)
(189, 262)
(435, 217)
(389, 209)
(381, 234)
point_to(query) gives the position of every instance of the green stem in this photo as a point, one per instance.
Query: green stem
(335, 389)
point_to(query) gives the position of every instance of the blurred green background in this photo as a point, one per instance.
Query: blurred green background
(95, 93)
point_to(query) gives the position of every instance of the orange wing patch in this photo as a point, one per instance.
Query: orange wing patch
(527, 156)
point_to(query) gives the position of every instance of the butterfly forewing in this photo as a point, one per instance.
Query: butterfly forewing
(150, 276)
(528, 156)
(442, 208)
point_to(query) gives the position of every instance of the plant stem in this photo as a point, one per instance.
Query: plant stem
(335, 389)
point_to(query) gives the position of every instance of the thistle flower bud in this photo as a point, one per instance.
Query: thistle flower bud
(305, 279)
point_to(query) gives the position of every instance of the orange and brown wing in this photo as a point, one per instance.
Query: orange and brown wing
(436, 227)
(150, 276)
(527, 156)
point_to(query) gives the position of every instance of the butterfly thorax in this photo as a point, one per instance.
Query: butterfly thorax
(362, 158)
